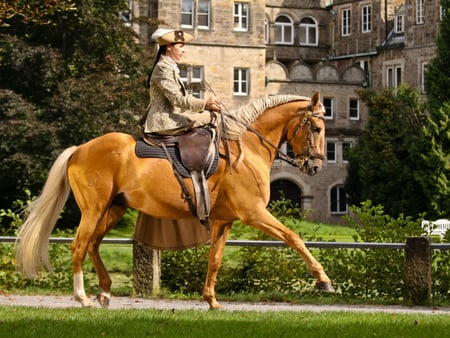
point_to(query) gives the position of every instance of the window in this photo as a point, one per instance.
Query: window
(328, 103)
(399, 23)
(353, 109)
(393, 76)
(187, 13)
(419, 12)
(308, 32)
(331, 151)
(284, 30)
(345, 29)
(422, 74)
(127, 16)
(192, 76)
(366, 19)
(241, 14)
(204, 13)
(241, 81)
(338, 200)
(345, 150)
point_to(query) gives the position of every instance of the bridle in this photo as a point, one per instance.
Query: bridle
(307, 154)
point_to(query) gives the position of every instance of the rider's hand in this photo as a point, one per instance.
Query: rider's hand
(213, 104)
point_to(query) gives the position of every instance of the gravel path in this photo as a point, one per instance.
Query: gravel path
(161, 304)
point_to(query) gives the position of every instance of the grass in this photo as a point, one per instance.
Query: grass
(78, 322)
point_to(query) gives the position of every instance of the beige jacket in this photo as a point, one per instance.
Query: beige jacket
(170, 106)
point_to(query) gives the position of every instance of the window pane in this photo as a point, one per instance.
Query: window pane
(187, 13)
(203, 13)
(331, 151)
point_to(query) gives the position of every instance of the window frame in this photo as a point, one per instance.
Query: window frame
(240, 17)
(329, 108)
(420, 12)
(283, 26)
(346, 22)
(338, 192)
(399, 24)
(394, 75)
(333, 158)
(187, 13)
(366, 18)
(308, 28)
(206, 14)
(241, 81)
(352, 109)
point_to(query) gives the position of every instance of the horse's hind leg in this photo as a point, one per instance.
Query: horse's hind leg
(111, 217)
(219, 234)
(86, 229)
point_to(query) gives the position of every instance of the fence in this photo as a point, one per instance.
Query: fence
(418, 260)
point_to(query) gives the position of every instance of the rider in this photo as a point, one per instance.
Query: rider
(172, 110)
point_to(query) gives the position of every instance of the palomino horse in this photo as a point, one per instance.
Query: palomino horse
(106, 178)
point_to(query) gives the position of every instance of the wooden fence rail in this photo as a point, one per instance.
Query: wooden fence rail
(418, 261)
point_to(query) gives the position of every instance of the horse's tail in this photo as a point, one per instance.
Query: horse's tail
(42, 214)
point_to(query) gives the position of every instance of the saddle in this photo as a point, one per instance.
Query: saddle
(193, 146)
(188, 152)
(194, 155)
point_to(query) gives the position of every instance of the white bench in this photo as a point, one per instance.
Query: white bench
(436, 228)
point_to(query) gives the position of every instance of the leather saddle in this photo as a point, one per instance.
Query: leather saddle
(191, 150)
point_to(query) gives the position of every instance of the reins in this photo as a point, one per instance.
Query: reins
(281, 154)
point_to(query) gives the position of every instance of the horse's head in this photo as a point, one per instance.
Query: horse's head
(307, 137)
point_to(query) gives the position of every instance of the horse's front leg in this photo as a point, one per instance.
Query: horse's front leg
(219, 235)
(264, 221)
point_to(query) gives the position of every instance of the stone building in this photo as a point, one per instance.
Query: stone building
(247, 49)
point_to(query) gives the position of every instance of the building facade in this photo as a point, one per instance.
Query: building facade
(243, 50)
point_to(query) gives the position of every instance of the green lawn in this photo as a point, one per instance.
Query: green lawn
(77, 322)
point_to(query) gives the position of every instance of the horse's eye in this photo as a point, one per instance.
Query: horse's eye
(316, 130)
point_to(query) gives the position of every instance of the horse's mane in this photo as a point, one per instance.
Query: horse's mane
(237, 121)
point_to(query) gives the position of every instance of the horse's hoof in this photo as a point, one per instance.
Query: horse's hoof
(85, 302)
(103, 299)
(325, 287)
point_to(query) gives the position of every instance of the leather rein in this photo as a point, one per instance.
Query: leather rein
(305, 155)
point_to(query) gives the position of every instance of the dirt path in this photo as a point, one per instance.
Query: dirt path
(162, 304)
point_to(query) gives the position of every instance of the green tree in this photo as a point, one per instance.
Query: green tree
(383, 164)
(435, 154)
(69, 71)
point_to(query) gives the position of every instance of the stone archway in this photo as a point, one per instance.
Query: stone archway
(291, 191)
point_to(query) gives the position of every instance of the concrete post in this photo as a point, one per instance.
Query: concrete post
(146, 270)
(418, 279)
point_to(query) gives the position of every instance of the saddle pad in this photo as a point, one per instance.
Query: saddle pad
(145, 150)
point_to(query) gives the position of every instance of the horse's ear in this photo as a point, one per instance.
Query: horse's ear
(315, 99)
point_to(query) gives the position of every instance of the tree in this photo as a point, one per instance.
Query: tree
(435, 154)
(69, 71)
(383, 164)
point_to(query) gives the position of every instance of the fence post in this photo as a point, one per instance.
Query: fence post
(146, 270)
(418, 279)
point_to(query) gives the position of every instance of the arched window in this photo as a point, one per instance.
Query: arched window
(338, 200)
(309, 35)
(284, 30)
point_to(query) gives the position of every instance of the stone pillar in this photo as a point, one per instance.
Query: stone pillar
(146, 270)
(418, 279)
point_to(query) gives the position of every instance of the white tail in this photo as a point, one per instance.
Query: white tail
(32, 239)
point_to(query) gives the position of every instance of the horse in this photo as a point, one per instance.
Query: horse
(106, 177)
